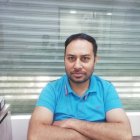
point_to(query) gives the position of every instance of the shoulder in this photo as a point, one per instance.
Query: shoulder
(50, 93)
(58, 82)
(101, 82)
(103, 86)
(56, 85)
(109, 93)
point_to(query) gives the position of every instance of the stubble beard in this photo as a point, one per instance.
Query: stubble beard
(79, 81)
(84, 80)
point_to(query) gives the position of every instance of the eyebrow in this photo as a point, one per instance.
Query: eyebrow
(86, 55)
(70, 55)
(81, 55)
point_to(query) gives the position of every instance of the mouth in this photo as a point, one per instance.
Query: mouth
(77, 75)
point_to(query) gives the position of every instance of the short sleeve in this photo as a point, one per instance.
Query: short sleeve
(47, 98)
(112, 99)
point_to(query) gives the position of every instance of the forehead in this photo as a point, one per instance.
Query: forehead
(79, 47)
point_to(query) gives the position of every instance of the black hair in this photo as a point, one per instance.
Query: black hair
(84, 37)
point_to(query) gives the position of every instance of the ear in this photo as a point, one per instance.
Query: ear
(96, 59)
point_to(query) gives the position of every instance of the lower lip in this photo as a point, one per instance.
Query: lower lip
(78, 75)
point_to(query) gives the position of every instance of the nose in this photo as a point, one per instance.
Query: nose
(77, 64)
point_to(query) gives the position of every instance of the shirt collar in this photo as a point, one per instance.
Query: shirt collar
(93, 84)
(92, 87)
(68, 88)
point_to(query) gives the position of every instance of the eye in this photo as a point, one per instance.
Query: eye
(71, 58)
(85, 59)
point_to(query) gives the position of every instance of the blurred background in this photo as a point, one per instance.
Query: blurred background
(32, 35)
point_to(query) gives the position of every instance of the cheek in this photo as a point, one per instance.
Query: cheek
(68, 65)
(89, 66)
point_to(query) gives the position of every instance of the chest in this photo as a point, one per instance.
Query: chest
(90, 108)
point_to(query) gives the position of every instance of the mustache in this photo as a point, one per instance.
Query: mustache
(77, 72)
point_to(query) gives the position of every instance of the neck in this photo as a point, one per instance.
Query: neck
(79, 88)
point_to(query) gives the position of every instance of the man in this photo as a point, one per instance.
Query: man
(79, 105)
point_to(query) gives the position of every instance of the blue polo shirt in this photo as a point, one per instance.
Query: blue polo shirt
(59, 98)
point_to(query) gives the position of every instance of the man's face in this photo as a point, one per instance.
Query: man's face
(79, 61)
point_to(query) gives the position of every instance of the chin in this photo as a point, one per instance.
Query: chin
(75, 80)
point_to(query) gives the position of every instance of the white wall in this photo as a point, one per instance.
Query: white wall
(20, 125)
(134, 118)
